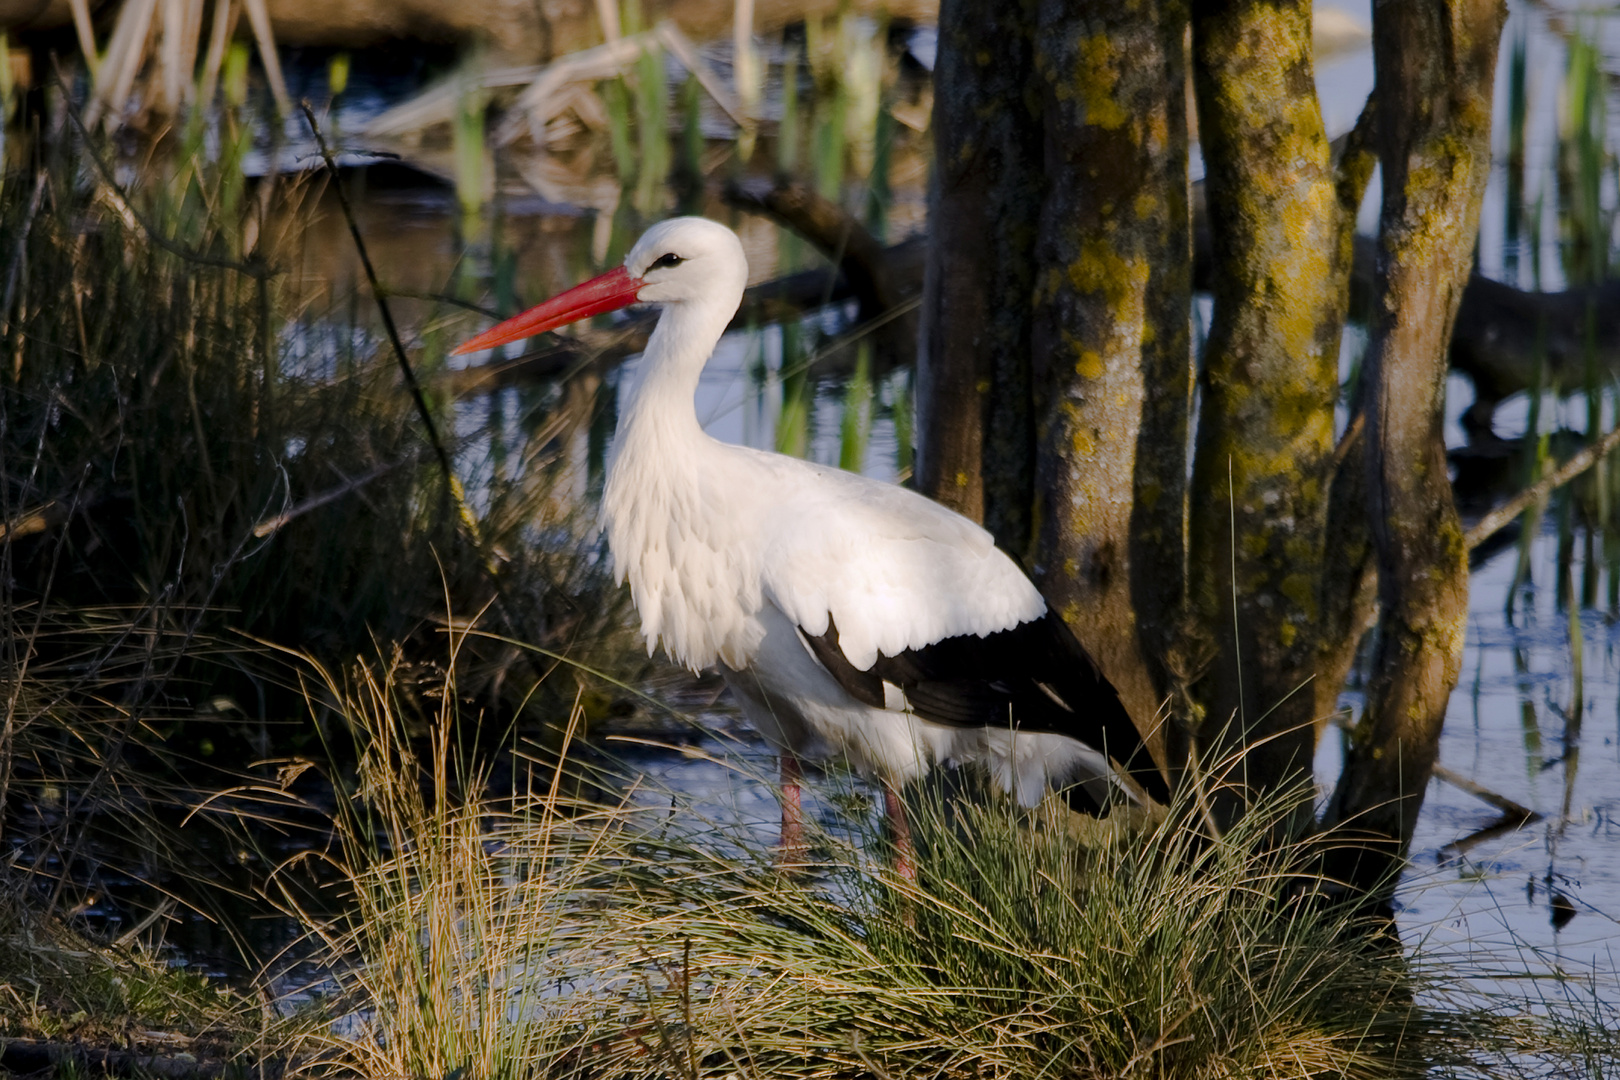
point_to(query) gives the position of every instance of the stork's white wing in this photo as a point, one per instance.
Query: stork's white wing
(893, 569)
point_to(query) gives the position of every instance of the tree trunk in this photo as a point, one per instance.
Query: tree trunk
(973, 394)
(1436, 63)
(1112, 364)
(1270, 379)
(1346, 596)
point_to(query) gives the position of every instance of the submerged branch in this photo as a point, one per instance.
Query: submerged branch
(1511, 811)
(1500, 517)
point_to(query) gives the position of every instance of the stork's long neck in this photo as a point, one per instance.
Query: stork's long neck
(663, 409)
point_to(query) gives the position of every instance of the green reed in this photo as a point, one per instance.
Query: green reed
(472, 164)
(616, 100)
(787, 131)
(828, 125)
(901, 414)
(793, 422)
(855, 427)
(691, 179)
(1584, 163)
(652, 128)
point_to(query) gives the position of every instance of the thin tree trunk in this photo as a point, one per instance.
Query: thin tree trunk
(1349, 597)
(1436, 64)
(1346, 595)
(1112, 368)
(976, 454)
(1270, 379)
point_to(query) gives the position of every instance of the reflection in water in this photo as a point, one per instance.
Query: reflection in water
(1547, 893)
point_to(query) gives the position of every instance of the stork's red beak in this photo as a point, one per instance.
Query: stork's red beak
(610, 292)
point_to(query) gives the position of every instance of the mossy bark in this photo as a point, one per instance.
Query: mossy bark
(1112, 372)
(976, 454)
(1270, 378)
(1436, 63)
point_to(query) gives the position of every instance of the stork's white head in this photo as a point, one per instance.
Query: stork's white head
(687, 261)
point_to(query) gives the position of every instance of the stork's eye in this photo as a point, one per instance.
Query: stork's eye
(664, 262)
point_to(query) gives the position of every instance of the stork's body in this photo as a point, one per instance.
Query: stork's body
(853, 619)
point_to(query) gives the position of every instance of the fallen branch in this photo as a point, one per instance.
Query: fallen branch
(1498, 518)
(1512, 812)
(835, 232)
(543, 97)
(437, 104)
(683, 50)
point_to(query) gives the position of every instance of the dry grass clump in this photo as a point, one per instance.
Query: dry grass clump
(462, 922)
(550, 934)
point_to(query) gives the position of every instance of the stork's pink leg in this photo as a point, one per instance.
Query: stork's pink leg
(791, 846)
(905, 855)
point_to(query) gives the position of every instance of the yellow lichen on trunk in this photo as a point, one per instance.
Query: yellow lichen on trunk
(1111, 354)
(1265, 434)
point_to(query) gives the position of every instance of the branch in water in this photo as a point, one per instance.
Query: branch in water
(1500, 517)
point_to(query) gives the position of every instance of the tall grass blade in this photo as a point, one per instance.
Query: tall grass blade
(1518, 115)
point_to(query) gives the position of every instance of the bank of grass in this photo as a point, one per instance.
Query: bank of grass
(62, 986)
(553, 934)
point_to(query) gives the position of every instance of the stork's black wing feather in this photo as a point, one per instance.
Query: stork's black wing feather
(1035, 677)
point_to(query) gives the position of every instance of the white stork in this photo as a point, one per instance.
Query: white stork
(852, 618)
